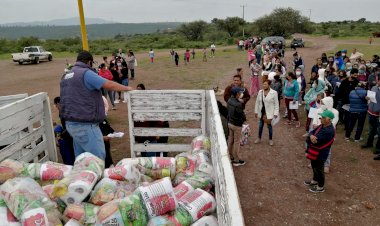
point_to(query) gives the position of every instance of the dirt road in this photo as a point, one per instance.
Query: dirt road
(271, 183)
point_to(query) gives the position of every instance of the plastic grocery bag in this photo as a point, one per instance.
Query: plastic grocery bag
(6, 216)
(206, 221)
(84, 213)
(127, 211)
(201, 142)
(88, 161)
(158, 197)
(127, 172)
(185, 163)
(107, 190)
(75, 187)
(180, 217)
(28, 202)
(245, 133)
(198, 203)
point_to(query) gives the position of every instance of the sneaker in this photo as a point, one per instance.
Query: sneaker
(347, 139)
(238, 163)
(116, 101)
(285, 116)
(366, 146)
(317, 189)
(124, 101)
(271, 142)
(113, 108)
(258, 140)
(310, 183)
(357, 141)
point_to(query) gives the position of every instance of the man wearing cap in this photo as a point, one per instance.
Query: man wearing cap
(244, 98)
(236, 118)
(318, 147)
(82, 105)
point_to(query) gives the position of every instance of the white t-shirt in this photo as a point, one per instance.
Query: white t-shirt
(213, 46)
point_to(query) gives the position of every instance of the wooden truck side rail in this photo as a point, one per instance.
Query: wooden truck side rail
(183, 106)
(30, 120)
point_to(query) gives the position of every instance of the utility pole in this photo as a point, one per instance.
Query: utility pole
(83, 26)
(309, 14)
(243, 6)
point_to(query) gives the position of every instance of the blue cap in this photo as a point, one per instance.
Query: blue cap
(236, 89)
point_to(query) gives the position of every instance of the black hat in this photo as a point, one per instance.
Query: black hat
(85, 56)
(354, 71)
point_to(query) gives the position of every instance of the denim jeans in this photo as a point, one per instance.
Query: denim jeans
(261, 127)
(351, 121)
(110, 94)
(87, 137)
(373, 122)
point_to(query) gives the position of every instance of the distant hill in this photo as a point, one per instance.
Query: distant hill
(59, 22)
(94, 31)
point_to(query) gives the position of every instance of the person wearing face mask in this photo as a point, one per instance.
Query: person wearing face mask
(236, 118)
(266, 109)
(302, 85)
(297, 61)
(327, 103)
(237, 82)
(82, 105)
(362, 75)
(357, 111)
(373, 119)
(317, 88)
(346, 86)
(291, 93)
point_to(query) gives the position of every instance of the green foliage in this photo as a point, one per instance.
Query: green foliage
(193, 31)
(348, 28)
(282, 22)
(231, 25)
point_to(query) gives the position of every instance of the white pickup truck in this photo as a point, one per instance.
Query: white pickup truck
(32, 54)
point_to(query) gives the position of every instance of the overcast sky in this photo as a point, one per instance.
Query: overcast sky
(128, 11)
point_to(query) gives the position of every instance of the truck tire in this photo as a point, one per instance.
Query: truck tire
(37, 60)
(20, 63)
(50, 57)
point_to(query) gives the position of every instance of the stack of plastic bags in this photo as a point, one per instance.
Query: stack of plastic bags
(155, 191)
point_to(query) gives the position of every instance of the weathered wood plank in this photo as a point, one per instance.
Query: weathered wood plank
(161, 147)
(20, 105)
(33, 153)
(148, 106)
(4, 100)
(174, 132)
(166, 116)
(20, 144)
(228, 205)
(19, 120)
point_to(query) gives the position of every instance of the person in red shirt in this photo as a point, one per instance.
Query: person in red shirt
(105, 73)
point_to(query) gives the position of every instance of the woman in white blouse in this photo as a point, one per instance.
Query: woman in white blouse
(266, 109)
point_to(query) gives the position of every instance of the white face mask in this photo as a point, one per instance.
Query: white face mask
(298, 72)
(241, 95)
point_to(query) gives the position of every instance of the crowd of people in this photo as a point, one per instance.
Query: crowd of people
(344, 90)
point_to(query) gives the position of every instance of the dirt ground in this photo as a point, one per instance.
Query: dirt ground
(270, 185)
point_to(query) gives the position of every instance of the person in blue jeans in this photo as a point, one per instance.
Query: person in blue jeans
(357, 111)
(82, 105)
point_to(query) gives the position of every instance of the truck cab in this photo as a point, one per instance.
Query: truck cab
(32, 54)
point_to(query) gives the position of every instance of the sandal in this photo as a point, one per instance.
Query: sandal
(298, 124)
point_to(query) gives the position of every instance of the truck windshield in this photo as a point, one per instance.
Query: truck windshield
(30, 50)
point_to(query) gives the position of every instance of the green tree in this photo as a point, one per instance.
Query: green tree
(231, 25)
(193, 31)
(283, 22)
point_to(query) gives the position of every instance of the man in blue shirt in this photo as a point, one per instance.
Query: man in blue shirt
(82, 105)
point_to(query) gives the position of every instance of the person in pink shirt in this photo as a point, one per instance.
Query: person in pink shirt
(255, 82)
(250, 55)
